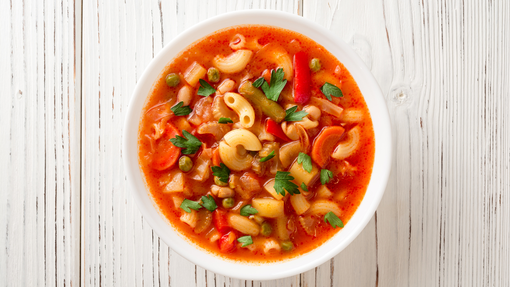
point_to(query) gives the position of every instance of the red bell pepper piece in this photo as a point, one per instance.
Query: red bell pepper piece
(220, 221)
(302, 78)
(227, 242)
(274, 128)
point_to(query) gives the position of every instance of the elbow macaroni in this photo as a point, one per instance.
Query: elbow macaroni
(242, 107)
(243, 224)
(234, 62)
(348, 146)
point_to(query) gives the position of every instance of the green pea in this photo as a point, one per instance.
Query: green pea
(213, 75)
(185, 163)
(228, 202)
(172, 80)
(315, 65)
(266, 229)
(218, 181)
(287, 245)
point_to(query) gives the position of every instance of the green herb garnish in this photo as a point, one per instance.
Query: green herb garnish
(268, 157)
(222, 172)
(273, 89)
(189, 143)
(326, 176)
(179, 110)
(306, 161)
(247, 210)
(259, 82)
(293, 116)
(187, 204)
(282, 183)
(332, 219)
(205, 89)
(245, 240)
(209, 203)
(303, 186)
(331, 90)
(225, 121)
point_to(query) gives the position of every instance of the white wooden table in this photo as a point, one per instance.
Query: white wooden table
(67, 71)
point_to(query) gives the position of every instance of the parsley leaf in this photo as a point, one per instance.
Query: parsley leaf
(187, 204)
(245, 240)
(247, 210)
(179, 110)
(276, 86)
(305, 159)
(293, 116)
(225, 121)
(221, 171)
(303, 186)
(190, 143)
(268, 157)
(209, 203)
(259, 82)
(205, 89)
(332, 219)
(326, 176)
(331, 90)
(282, 182)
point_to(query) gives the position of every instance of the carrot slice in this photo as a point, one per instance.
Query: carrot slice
(166, 154)
(216, 157)
(324, 144)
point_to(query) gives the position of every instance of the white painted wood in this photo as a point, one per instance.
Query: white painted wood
(39, 144)
(443, 67)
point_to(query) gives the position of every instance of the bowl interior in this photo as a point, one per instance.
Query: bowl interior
(382, 161)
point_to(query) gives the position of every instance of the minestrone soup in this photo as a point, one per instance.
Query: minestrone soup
(256, 144)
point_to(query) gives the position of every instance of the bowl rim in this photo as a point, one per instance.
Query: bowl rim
(380, 171)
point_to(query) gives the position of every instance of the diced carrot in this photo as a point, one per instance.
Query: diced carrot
(216, 157)
(166, 154)
(325, 143)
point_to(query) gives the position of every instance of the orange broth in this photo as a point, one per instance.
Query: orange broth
(348, 188)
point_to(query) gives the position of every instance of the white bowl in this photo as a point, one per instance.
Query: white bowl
(382, 162)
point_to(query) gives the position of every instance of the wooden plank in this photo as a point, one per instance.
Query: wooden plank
(119, 40)
(40, 144)
(444, 68)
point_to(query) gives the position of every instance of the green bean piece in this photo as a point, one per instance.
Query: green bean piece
(172, 80)
(218, 181)
(213, 75)
(287, 245)
(185, 163)
(256, 97)
(315, 64)
(228, 202)
(266, 229)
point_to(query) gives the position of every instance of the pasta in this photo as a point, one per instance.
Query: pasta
(349, 145)
(243, 224)
(323, 206)
(300, 204)
(233, 149)
(271, 246)
(235, 167)
(352, 116)
(194, 73)
(268, 207)
(242, 107)
(234, 62)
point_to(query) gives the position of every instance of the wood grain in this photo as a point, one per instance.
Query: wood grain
(40, 144)
(66, 215)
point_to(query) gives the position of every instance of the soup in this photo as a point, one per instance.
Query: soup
(256, 144)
